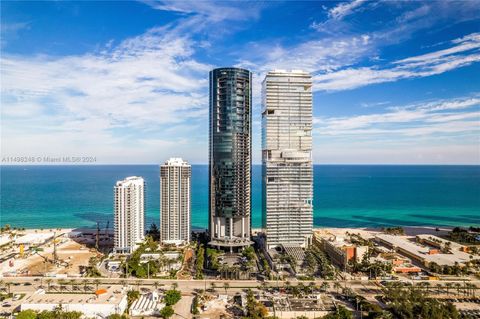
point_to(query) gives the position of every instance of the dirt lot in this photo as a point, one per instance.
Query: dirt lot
(75, 254)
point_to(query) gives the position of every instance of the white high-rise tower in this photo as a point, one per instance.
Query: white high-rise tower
(129, 214)
(287, 158)
(175, 177)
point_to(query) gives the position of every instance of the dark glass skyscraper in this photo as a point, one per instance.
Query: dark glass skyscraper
(230, 157)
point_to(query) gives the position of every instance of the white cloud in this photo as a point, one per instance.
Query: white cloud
(106, 103)
(215, 11)
(145, 99)
(14, 27)
(420, 119)
(464, 51)
(440, 132)
(345, 8)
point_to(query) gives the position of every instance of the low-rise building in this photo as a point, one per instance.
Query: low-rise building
(400, 264)
(99, 305)
(147, 305)
(440, 243)
(340, 250)
(171, 260)
(423, 254)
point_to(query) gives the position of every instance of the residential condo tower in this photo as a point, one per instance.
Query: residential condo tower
(287, 158)
(175, 177)
(230, 157)
(129, 214)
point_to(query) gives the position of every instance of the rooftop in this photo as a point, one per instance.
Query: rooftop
(422, 252)
(176, 161)
(131, 180)
(110, 296)
(296, 252)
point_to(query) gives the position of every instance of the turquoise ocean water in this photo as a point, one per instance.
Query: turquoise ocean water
(344, 196)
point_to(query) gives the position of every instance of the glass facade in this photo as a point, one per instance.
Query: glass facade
(230, 157)
(287, 173)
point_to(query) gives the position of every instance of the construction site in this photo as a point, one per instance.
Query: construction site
(52, 252)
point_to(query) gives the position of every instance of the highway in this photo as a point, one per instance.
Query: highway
(188, 286)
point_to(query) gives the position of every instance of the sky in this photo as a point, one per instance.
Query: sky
(127, 82)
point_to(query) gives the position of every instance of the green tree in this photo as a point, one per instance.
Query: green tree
(96, 282)
(132, 295)
(337, 286)
(137, 283)
(172, 297)
(195, 305)
(166, 312)
(62, 284)
(153, 232)
(200, 259)
(72, 283)
(226, 286)
(255, 309)
(324, 286)
(340, 313)
(8, 285)
(27, 314)
(58, 313)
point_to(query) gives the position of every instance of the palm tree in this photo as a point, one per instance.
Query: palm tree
(49, 283)
(212, 286)
(62, 284)
(85, 285)
(439, 287)
(311, 286)
(427, 286)
(301, 287)
(138, 282)
(123, 283)
(155, 284)
(96, 282)
(223, 269)
(263, 286)
(226, 286)
(458, 286)
(72, 283)
(337, 285)
(448, 285)
(174, 286)
(235, 271)
(470, 288)
(325, 286)
(8, 285)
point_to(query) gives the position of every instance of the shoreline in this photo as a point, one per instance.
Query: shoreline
(199, 229)
(408, 229)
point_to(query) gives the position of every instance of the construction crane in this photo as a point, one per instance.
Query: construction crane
(98, 234)
(106, 229)
(55, 256)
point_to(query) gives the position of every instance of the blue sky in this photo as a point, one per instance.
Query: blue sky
(127, 82)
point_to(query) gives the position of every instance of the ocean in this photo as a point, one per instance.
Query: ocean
(344, 195)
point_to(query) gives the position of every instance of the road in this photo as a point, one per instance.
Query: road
(189, 286)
